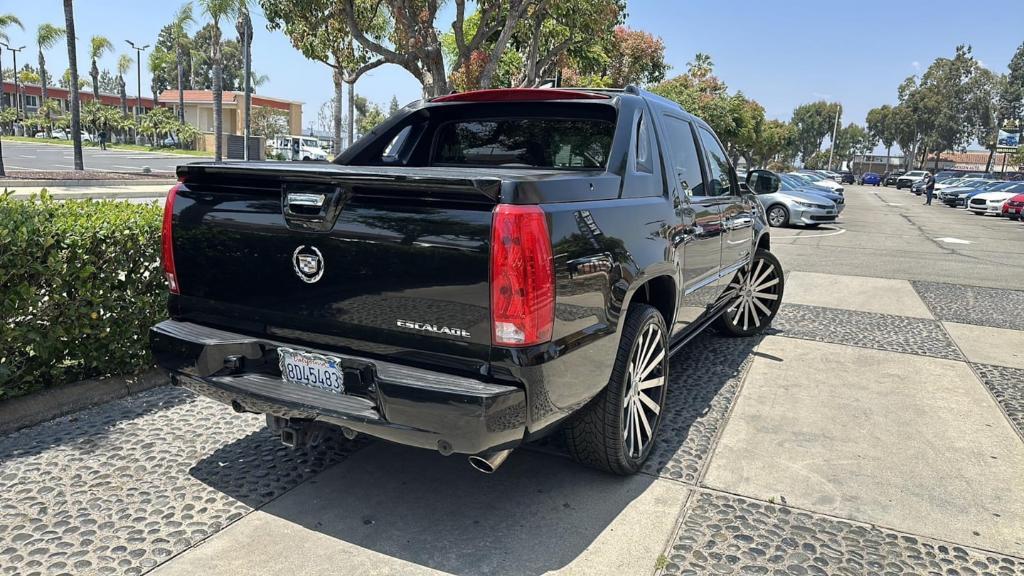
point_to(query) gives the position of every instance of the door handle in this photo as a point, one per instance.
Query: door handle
(305, 199)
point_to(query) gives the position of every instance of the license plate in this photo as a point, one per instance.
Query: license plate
(313, 370)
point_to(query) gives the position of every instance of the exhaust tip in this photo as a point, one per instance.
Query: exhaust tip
(489, 462)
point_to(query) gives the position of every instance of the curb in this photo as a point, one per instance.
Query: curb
(45, 405)
(70, 183)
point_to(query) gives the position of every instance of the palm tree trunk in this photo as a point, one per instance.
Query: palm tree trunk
(95, 73)
(218, 97)
(14, 99)
(246, 25)
(46, 93)
(76, 120)
(181, 86)
(124, 96)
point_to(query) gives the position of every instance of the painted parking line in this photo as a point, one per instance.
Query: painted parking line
(953, 241)
(823, 235)
(25, 156)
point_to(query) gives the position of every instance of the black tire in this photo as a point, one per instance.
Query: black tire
(595, 435)
(777, 222)
(773, 281)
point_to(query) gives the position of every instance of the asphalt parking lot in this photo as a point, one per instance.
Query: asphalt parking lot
(878, 428)
(42, 156)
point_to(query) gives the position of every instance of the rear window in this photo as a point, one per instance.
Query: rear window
(525, 142)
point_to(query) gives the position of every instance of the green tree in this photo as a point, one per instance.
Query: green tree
(368, 115)
(771, 144)
(881, 124)
(98, 46)
(850, 141)
(158, 63)
(47, 36)
(216, 11)
(269, 122)
(181, 45)
(231, 66)
(393, 106)
(812, 123)
(65, 80)
(108, 82)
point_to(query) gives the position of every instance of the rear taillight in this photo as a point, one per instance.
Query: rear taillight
(522, 277)
(168, 242)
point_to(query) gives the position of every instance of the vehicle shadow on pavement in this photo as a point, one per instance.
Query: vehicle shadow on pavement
(537, 513)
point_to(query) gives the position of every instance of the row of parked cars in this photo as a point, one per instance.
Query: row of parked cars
(976, 192)
(807, 198)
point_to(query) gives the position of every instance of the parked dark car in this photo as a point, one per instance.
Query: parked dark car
(889, 179)
(481, 270)
(847, 178)
(870, 179)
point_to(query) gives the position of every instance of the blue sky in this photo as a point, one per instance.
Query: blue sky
(781, 53)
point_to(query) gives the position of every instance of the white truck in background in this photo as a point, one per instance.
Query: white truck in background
(297, 148)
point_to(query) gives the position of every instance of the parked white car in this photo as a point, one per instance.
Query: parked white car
(819, 180)
(61, 134)
(989, 203)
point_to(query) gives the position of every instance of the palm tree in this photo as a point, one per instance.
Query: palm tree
(98, 45)
(46, 38)
(244, 28)
(124, 64)
(5, 21)
(179, 33)
(218, 10)
(76, 120)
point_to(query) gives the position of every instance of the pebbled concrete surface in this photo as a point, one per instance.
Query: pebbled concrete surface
(908, 442)
(724, 534)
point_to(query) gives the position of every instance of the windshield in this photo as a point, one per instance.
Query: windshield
(525, 142)
(812, 177)
(310, 143)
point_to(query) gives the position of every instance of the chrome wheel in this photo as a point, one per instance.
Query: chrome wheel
(777, 216)
(641, 403)
(754, 295)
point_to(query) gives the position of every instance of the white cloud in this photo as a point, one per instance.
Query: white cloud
(916, 65)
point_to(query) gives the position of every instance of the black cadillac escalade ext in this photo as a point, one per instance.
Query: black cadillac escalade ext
(481, 270)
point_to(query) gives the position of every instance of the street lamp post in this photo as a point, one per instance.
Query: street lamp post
(17, 92)
(835, 132)
(138, 79)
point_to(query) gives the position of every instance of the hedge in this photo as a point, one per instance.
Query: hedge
(80, 284)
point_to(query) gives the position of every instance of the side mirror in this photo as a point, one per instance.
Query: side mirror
(745, 188)
(764, 182)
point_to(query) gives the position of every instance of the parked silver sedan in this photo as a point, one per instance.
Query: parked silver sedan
(785, 205)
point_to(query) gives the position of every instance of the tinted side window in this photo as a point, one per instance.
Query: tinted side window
(644, 162)
(683, 161)
(720, 178)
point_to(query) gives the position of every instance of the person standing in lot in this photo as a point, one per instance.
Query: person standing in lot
(929, 188)
(102, 138)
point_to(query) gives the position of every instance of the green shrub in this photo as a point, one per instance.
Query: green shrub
(80, 285)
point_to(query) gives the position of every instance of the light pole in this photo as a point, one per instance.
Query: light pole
(835, 131)
(17, 91)
(138, 78)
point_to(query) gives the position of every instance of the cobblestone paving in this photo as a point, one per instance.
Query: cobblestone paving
(122, 487)
(723, 534)
(973, 305)
(1007, 385)
(866, 329)
(705, 376)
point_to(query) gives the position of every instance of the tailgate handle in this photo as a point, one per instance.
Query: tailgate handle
(304, 199)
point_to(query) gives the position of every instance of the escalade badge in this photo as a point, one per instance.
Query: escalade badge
(309, 266)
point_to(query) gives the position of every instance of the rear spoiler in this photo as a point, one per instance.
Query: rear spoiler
(425, 182)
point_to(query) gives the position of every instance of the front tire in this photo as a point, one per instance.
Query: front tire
(778, 216)
(757, 294)
(614, 432)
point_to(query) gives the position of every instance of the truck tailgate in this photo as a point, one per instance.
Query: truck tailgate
(372, 259)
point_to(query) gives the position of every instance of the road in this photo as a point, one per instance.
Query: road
(889, 233)
(878, 427)
(41, 156)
